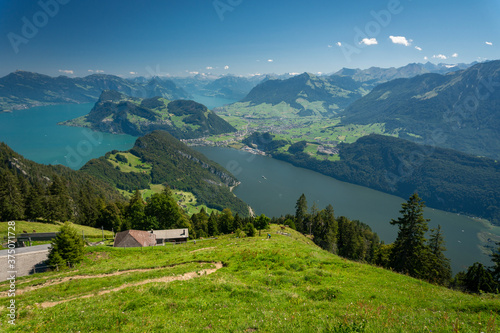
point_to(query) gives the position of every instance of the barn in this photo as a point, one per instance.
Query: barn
(171, 236)
(134, 238)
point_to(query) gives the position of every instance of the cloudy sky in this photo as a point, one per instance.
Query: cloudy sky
(242, 37)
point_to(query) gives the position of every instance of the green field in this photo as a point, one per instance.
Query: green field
(284, 122)
(189, 203)
(282, 284)
(133, 164)
(22, 226)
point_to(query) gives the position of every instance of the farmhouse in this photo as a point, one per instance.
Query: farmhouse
(171, 236)
(134, 238)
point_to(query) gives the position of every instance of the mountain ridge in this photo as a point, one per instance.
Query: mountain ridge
(458, 110)
(118, 113)
(22, 89)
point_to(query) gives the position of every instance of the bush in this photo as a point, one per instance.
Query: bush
(250, 230)
(67, 247)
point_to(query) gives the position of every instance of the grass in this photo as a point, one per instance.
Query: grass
(189, 203)
(134, 163)
(51, 227)
(284, 284)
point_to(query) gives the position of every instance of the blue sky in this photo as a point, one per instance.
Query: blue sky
(241, 37)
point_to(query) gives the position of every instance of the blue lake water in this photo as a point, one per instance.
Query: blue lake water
(34, 133)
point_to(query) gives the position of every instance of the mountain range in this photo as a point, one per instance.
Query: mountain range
(115, 112)
(22, 90)
(458, 110)
(374, 76)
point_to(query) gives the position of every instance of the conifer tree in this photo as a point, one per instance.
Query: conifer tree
(35, 202)
(213, 229)
(134, 212)
(11, 200)
(301, 213)
(67, 247)
(410, 252)
(439, 269)
(226, 219)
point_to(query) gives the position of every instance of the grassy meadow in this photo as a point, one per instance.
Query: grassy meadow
(282, 284)
(50, 227)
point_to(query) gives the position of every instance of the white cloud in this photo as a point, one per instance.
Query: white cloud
(293, 74)
(426, 58)
(194, 73)
(133, 73)
(209, 68)
(66, 71)
(95, 71)
(270, 60)
(330, 46)
(418, 48)
(489, 43)
(454, 55)
(339, 44)
(369, 41)
(440, 56)
(400, 40)
(226, 67)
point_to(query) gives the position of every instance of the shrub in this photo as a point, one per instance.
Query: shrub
(67, 247)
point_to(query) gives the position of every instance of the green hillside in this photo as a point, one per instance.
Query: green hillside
(51, 227)
(282, 284)
(119, 113)
(33, 191)
(160, 159)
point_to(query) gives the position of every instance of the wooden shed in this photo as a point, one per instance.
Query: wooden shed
(171, 236)
(134, 238)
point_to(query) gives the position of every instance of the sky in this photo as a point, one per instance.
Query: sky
(241, 37)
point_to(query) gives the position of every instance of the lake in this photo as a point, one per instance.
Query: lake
(34, 133)
(272, 187)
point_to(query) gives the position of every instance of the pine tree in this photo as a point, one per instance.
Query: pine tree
(226, 221)
(11, 200)
(301, 213)
(410, 252)
(213, 229)
(439, 269)
(58, 201)
(67, 247)
(327, 230)
(478, 279)
(496, 268)
(134, 212)
(35, 202)
(167, 212)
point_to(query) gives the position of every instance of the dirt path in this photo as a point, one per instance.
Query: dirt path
(81, 277)
(165, 279)
(203, 249)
